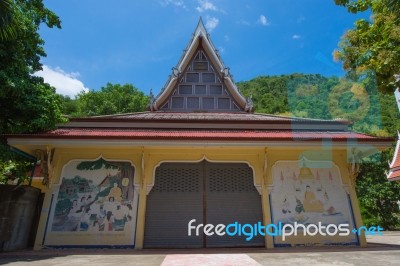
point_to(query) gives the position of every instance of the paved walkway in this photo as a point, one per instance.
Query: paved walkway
(382, 251)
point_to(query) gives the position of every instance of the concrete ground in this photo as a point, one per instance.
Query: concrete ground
(382, 250)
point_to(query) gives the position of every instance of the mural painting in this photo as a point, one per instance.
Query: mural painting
(95, 197)
(308, 195)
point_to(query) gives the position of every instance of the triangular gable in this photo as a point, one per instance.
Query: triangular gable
(200, 81)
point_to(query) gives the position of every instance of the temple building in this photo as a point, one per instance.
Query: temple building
(200, 155)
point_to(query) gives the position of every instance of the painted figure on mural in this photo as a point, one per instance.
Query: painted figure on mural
(85, 219)
(101, 218)
(286, 206)
(311, 203)
(297, 182)
(75, 207)
(120, 218)
(94, 227)
(299, 206)
(116, 192)
(329, 209)
(110, 221)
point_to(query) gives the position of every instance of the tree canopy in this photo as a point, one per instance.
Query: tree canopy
(378, 197)
(7, 23)
(27, 103)
(316, 96)
(110, 99)
(373, 44)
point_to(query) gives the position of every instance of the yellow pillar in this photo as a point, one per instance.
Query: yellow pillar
(267, 216)
(269, 243)
(141, 214)
(357, 214)
(44, 216)
(353, 169)
(141, 218)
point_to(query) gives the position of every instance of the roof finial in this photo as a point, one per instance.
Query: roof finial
(225, 71)
(249, 104)
(201, 20)
(175, 72)
(151, 100)
(201, 27)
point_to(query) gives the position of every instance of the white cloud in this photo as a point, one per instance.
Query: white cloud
(243, 22)
(263, 20)
(295, 37)
(211, 23)
(65, 83)
(205, 5)
(177, 3)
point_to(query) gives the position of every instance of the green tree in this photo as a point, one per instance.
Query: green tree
(375, 44)
(355, 6)
(7, 23)
(69, 106)
(111, 99)
(27, 103)
(378, 197)
(14, 170)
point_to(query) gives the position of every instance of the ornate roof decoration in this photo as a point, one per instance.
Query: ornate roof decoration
(200, 81)
(394, 166)
(249, 104)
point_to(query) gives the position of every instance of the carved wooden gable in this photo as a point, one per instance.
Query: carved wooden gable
(200, 88)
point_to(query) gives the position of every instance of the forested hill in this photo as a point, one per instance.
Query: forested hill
(316, 96)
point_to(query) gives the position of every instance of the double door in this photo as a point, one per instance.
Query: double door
(210, 193)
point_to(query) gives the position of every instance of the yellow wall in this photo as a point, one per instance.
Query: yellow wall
(146, 159)
(38, 183)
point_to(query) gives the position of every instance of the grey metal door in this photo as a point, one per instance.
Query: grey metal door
(231, 197)
(176, 198)
(213, 193)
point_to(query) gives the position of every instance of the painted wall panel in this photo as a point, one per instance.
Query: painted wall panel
(308, 192)
(94, 204)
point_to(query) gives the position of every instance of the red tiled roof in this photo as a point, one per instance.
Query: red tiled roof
(198, 134)
(396, 157)
(394, 171)
(396, 161)
(204, 117)
(394, 175)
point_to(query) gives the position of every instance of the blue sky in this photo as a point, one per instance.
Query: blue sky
(138, 42)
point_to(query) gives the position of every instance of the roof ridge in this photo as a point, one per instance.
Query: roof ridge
(305, 118)
(113, 115)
